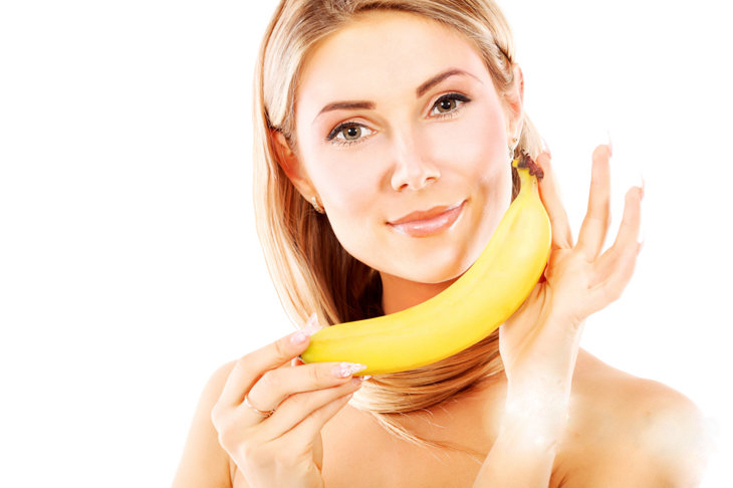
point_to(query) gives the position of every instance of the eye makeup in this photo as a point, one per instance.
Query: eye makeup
(350, 132)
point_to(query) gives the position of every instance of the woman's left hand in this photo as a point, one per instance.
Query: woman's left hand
(580, 279)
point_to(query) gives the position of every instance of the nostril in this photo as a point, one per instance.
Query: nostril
(414, 174)
(413, 167)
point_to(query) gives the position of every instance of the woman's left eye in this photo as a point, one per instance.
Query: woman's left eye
(349, 133)
(448, 104)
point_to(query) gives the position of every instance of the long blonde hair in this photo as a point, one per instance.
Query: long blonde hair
(311, 270)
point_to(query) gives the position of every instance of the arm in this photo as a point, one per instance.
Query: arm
(264, 414)
(539, 344)
(204, 463)
(524, 451)
(533, 422)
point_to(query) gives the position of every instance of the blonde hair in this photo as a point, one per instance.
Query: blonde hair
(311, 270)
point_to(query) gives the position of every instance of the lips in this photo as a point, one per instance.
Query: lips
(428, 222)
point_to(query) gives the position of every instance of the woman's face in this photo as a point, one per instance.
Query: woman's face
(403, 138)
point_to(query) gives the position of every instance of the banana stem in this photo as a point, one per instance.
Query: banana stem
(526, 162)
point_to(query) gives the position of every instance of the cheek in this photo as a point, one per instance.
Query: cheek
(476, 143)
(348, 188)
(351, 202)
(345, 185)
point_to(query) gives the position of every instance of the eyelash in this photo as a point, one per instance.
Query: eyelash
(460, 99)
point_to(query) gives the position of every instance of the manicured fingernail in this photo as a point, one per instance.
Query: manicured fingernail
(344, 370)
(358, 380)
(299, 337)
(311, 325)
(642, 186)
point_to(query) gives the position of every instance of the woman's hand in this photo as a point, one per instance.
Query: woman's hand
(539, 343)
(272, 409)
(542, 338)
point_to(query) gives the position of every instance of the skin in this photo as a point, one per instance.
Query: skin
(411, 155)
(578, 423)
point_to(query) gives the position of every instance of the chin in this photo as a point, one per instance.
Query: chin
(432, 271)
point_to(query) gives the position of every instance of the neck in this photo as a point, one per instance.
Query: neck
(400, 294)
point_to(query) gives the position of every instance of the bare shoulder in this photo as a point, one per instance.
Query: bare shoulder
(204, 463)
(629, 431)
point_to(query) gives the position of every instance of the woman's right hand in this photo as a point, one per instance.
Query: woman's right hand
(275, 441)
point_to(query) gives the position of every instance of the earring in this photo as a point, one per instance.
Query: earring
(512, 147)
(316, 205)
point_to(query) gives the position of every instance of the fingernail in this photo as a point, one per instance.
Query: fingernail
(609, 143)
(344, 370)
(642, 186)
(358, 380)
(312, 325)
(299, 337)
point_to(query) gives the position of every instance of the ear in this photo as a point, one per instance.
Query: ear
(514, 103)
(291, 165)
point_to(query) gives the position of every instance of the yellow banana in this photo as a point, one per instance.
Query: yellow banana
(470, 309)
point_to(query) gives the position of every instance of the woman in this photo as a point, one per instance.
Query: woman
(384, 135)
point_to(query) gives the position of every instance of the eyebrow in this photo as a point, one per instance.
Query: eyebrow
(420, 91)
(439, 78)
(347, 106)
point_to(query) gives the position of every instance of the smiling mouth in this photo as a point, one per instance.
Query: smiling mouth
(426, 223)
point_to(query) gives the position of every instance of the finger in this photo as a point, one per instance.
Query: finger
(598, 217)
(610, 289)
(301, 407)
(251, 367)
(278, 384)
(628, 232)
(626, 240)
(562, 236)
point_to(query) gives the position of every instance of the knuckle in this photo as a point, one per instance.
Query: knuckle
(316, 375)
(242, 364)
(227, 435)
(300, 402)
(216, 415)
(269, 380)
(257, 455)
(282, 351)
(251, 452)
(225, 439)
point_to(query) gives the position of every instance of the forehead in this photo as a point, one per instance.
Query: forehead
(383, 52)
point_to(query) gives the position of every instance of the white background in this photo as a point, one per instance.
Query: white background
(129, 264)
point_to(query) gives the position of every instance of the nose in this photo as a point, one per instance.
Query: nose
(413, 167)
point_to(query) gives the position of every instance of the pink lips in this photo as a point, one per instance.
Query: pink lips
(428, 222)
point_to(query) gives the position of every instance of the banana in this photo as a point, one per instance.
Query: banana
(470, 309)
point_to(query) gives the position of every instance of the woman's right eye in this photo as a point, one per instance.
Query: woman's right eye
(348, 133)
